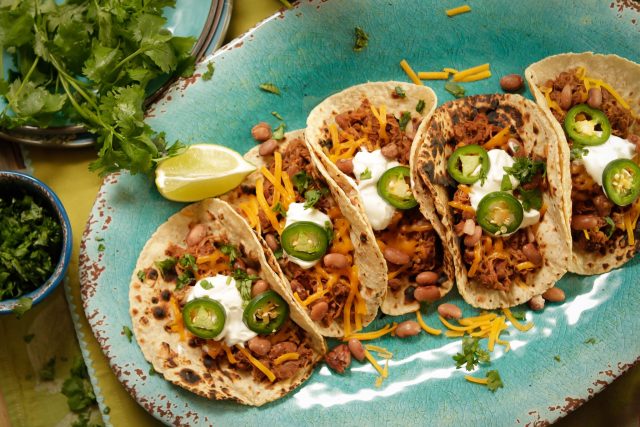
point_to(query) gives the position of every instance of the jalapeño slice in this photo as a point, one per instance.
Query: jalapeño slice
(585, 132)
(204, 317)
(305, 240)
(395, 188)
(499, 213)
(266, 313)
(468, 164)
(621, 181)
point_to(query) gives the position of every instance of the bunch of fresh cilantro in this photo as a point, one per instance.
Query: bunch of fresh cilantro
(92, 62)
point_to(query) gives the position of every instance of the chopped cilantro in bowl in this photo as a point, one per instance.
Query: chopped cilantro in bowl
(35, 242)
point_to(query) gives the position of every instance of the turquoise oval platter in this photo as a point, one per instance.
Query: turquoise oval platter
(574, 349)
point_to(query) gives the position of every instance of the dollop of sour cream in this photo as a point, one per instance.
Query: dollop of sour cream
(499, 159)
(377, 209)
(298, 213)
(599, 156)
(223, 289)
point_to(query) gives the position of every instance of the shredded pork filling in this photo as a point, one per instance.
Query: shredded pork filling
(589, 201)
(289, 339)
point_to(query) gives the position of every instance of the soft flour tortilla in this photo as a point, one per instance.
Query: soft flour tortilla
(624, 76)
(177, 361)
(350, 99)
(372, 269)
(430, 166)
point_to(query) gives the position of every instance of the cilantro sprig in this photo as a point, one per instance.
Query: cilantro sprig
(472, 354)
(91, 63)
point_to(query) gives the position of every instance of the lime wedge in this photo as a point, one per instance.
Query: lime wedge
(202, 171)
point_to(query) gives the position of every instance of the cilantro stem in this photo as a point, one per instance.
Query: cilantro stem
(22, 83)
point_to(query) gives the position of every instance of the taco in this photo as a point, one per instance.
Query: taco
(489, 164)
(363, 137)
(317, 238)
(211, 315)
(592, 102)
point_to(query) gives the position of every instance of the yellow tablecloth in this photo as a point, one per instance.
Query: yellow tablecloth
(32, 403)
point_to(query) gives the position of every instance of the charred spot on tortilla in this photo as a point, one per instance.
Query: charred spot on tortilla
(144, 320)
(152, 274)
(189, 376)
(134, 311)
(363, 238)
(208, 361)
(165, 295)
(154, 300)
(138, 298)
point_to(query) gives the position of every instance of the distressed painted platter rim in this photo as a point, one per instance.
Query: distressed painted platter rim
(584, 370)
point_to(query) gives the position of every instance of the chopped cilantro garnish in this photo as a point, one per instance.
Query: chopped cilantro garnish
(206, 285)
(278, 133)
(141, 275)
(152, 371)
(243, 283)
(277, 115)
(362, 39)
(279, 209)
(101, 247)
(77, 388)
(590, 341)
(404, 120)
(270, 87)
(578, 152)
(454, 89)
(366, 174)
(48, 371)
(420, 106)
(329, 230)
(471, 355)
(506, 185)
(301, 181)
(230, 251)
(494, 380)
(166, 266)
(313, 196)
(286, 4)
(399, 92)
(524, 169)
(29, 244)
(106, 410)
(28, 338)
(278, 253)
(612, 226)
(519, 315)
(209, 73)
(127, 332)
(556, 358)
(531, 199)
(22, 306)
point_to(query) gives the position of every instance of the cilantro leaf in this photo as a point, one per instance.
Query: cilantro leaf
(301, 181)
(404, 120)
(270, 87)
(519, 315)
(206, 285)
(22, 306)
(361, 39)
(166, 266)
(78, 390)
(524, 169)
(556, 358)
(313, 196)
(277, 115)
(590, 341)
(366, 174)
(531, 199)
(243, 283)
(399, 92)
(578, 152)
(207, 75)
(612, 227)
(420, 106)
(48, 370)
(279, 209)
(278, 133)
(127, 333)
(472, 354)
(278, 253)
(328, 228)
(101, 247)
(454, 89)
(141, 275)
(230, 251)
(506, 185)
(494, 381)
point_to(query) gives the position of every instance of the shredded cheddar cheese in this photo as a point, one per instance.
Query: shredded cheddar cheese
(375, 364)
(460, 206)
(286, 357)
(458, 10)
(629, 228)
(382, 352)
(255, 362)
(472, 379)
(266, 209)
(475, 77)
(232, 360)
(519, 326)
(412, 74)
(426, 327)
(433, 75)
(366, 336)
(250, 209)
(477, 257)
(525, 265)
(178, 323)
(457, 77)
(450, 70)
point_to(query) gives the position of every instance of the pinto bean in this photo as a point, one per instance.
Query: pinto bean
(603, 205)
(357, 350)
(449, 311)
(554, 295)
(268, 147)
(319, 310)
(566, 97)
(196, 234)
(281, 348)
(390, 151)
(395, 256)
(511, 82)
(426, 293)
(345, 166)
(532, 253)
(286, 370)
(595, 97)
(339, 358)
(474, 238)
(271, 241)
(408, 328)
(335, 261)
(584, 222)
(259, 287)
(260, 346)
(427, 278)
(536, 303)
(261, 132)
(251, 271)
